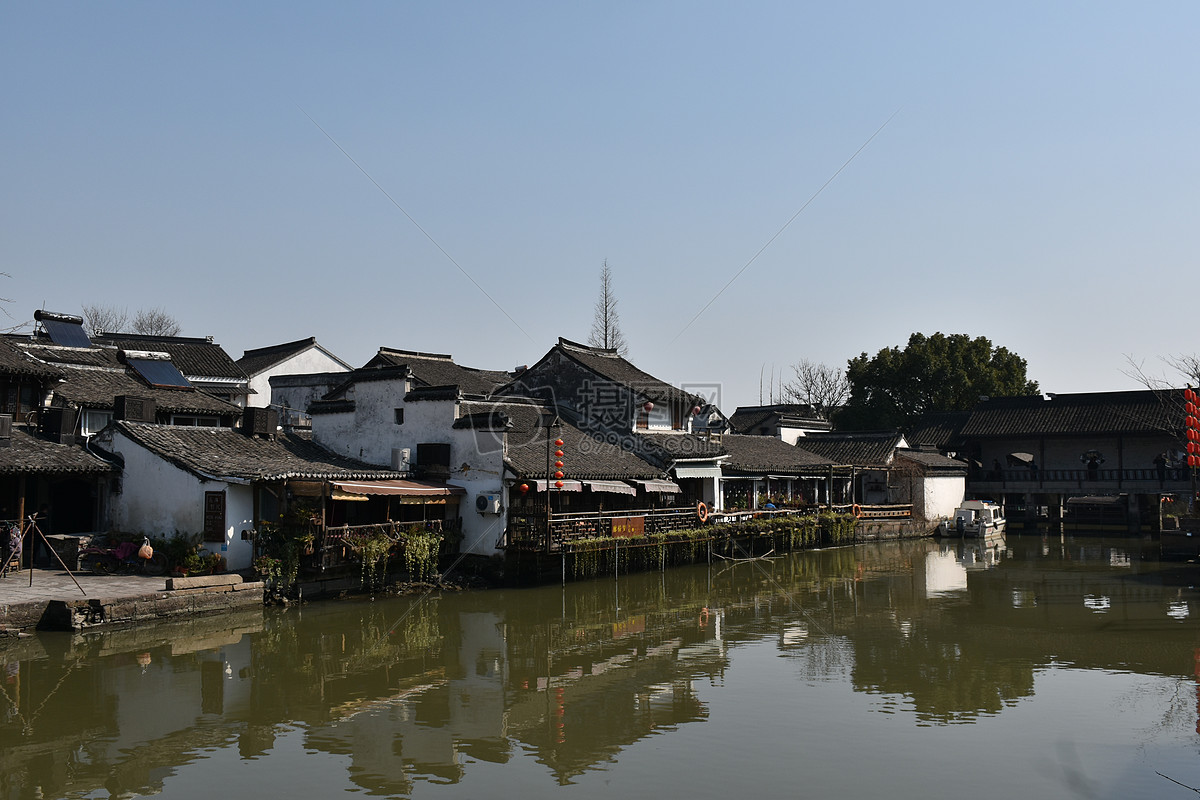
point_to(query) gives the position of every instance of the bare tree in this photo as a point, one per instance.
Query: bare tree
(104, 319)
(821, 386)
(155, 322)
(606, 324)
(5, 302)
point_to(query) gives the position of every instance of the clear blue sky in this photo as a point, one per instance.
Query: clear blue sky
(1039, 184)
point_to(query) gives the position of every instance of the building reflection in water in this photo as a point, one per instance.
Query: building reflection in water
(417, 690)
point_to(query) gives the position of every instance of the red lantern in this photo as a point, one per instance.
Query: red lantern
(558, 474)
(1190, 408)
(695, 411)
(558, 453)
(558, 464)
(1189, 395)
(1193, 460)
(523, 488)
(558, 484)
(648, 407)
(559, 443)
(1193, 447)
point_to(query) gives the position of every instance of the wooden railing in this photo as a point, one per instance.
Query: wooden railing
(1081, 477)
(529, 530)
(332, 551)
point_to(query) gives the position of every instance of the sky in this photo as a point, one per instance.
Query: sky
(813, 180)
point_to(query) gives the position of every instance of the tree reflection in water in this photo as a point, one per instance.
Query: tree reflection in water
(402, 692)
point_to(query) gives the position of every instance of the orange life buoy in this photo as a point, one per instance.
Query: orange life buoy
(702, 511)
(856, 510)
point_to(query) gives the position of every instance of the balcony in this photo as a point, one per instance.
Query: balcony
(1138, 481)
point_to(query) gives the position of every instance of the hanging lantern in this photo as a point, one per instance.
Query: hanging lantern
(558, 453)
(523, 488)
(558, 484)
(695, 411)
(559, 442)
(1189, 395)
(558, 464)
(648, 407)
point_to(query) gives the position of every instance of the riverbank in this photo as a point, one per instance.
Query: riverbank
(57, 600)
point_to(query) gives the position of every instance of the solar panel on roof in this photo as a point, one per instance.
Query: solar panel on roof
(157, 372)
(67, 334)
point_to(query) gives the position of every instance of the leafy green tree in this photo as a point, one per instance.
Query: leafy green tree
(893, 388)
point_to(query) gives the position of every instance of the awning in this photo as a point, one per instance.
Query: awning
(400, 487)
(697, 472)
(616, 487)
(568, 486)
(666, 487)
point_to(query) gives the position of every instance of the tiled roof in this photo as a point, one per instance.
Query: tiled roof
(54, 354)
(931, 461)
(940, 429)
(226, 453)
(96, 388)
(859, 449)
(194, 357)
(29, 453)
(14, 361)
(672, 446)
(586, 457)
(331, 407)
(255, 361)
(748, 419)
(1141, 412)
(431, 369)
(766, 454)
(608, 364)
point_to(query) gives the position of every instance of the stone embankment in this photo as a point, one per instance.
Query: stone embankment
(92, 603)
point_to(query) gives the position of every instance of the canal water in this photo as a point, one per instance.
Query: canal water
(1032, 666)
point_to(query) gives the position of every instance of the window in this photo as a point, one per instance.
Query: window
(399, 416)
(193, 421)
(214, 516)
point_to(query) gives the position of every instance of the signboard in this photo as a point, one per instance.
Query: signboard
(628, 527)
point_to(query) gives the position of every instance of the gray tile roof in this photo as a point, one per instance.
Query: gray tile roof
(29, 453)
(15, 361)
(859, 449)
(586, 457)
(607, 364)
(750, 419)
(255, 361)
(933, 462)
(226, 453)
(194, 357)
(940, 429)
(1137, 412)
(432, 369)
(672, 446)
(96, 388)
(766, 454)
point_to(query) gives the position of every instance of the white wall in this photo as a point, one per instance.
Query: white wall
(476, 464)
(312, 360)
(160, 500)
(942, 495)
(370, 432)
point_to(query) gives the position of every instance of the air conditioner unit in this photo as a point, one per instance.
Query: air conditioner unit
(401, 459)
(488, 503)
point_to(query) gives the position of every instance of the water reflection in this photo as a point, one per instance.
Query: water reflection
(410, 691)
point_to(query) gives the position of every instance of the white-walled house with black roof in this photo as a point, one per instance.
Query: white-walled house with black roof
(215, 483)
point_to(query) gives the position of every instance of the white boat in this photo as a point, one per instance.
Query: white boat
(974, 518)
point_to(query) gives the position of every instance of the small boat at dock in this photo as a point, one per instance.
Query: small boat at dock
(974, 518)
